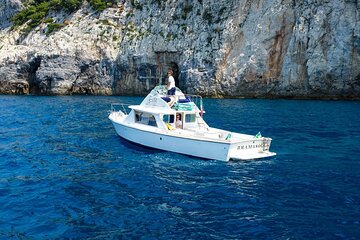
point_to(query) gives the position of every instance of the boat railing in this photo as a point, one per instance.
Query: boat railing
(117, 107)
(196, 99)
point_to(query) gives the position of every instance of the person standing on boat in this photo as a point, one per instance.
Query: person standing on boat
(170, 86)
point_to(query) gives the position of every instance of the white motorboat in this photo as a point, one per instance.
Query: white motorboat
(153, 124)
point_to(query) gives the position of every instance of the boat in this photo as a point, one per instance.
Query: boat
(153, 123)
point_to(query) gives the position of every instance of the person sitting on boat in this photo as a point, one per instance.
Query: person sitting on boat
(178, 123)
(170, 86)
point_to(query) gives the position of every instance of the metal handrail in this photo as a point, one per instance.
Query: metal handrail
(197, 100)
(124, 106)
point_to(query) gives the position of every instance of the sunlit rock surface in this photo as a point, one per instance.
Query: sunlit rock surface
(236, 48)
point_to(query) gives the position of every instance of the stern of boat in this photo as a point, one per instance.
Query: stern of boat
(251, 149)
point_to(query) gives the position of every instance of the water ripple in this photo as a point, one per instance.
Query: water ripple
(64, 173)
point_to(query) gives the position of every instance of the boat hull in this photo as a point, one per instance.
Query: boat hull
(187, 146)
(201, 148)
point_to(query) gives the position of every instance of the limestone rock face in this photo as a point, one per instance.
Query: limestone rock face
(7, 9)
(62, 75)
(223, 48)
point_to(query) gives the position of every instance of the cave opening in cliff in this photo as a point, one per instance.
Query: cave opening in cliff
(34, 65)
(168, 60)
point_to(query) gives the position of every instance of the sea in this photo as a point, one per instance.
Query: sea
(66, 174)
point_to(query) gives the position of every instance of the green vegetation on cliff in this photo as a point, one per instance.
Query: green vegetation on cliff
(36, 12)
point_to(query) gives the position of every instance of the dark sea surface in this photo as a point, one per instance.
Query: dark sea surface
(65, 174)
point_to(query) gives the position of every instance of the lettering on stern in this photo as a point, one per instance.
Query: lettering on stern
(249, 146)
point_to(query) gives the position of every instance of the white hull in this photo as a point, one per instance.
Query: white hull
(193, 145)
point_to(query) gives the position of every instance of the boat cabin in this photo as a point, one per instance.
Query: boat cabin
(181, 112)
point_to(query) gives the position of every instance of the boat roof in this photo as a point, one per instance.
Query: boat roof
(155, 102)
(152, 109)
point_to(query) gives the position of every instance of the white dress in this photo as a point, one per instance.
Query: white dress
(171, 82)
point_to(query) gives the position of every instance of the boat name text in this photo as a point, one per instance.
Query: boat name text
(251, 146)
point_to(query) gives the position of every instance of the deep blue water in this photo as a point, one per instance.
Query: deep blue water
(64, 173)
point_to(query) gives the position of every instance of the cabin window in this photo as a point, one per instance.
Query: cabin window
(145, 118)
(190, 117)
(152, 121)
(137, 117)
(168, 118)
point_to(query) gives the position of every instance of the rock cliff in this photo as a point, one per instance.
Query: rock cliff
(222, 48)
